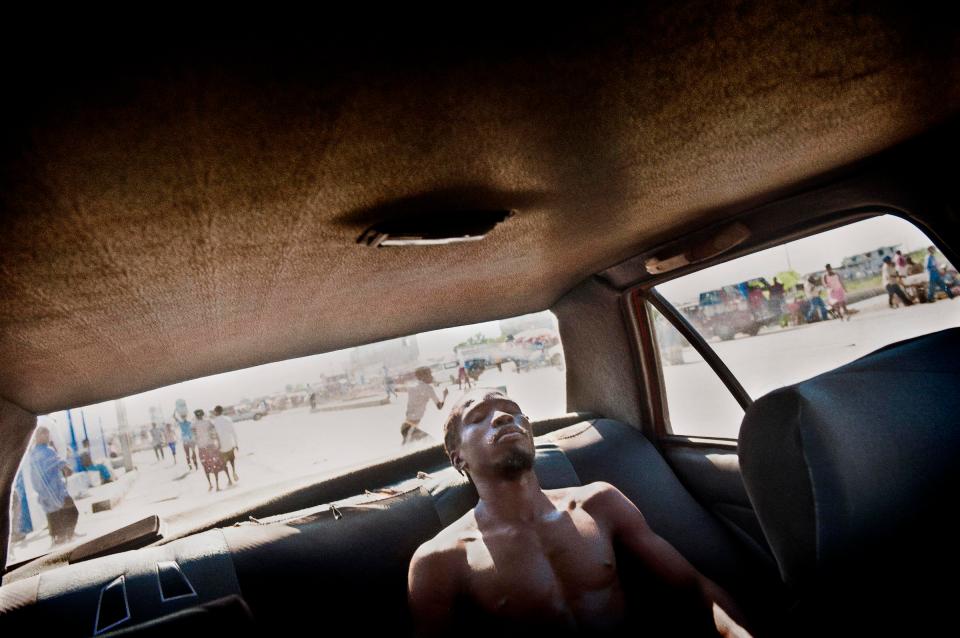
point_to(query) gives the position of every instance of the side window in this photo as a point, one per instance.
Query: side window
(698, 403)
(788, 313)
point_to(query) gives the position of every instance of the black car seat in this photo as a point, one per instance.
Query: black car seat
(853, 475)
(346, 567)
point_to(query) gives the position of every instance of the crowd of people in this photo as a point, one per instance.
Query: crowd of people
(825, 295)
(210, 444)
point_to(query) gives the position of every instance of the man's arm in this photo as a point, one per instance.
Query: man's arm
(432, 583)
(630, 531)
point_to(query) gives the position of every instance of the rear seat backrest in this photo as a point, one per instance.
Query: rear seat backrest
(333, 566)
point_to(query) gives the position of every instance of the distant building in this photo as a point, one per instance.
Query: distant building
(861, 265)
(396, 352)
(540, 320)
(866, 264)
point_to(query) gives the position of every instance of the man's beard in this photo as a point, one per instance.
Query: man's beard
(515, 463)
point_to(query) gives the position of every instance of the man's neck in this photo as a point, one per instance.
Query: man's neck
(516, 500)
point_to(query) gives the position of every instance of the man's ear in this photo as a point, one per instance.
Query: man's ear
(457, 462)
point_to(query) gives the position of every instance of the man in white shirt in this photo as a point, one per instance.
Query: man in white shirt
(228, 439)
(417, 398)
(891, 281)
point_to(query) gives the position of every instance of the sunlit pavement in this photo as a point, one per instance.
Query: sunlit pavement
(700, 405)
(292, 443)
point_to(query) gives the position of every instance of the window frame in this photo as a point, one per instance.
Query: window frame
(644, 293)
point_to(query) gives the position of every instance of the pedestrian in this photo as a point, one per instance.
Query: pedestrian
(48, 474)
(936, 281)
(22, 523)
(157, 438)
(463, 377)
(228, 440)
(208, 444)
(900, 262)
(186, 437)
(86, 460)
(171, 438)
(417, 398)
(891, 282)
(776, 300)
(836, 293)
(913, 268)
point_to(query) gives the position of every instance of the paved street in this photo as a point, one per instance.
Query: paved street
(700, 404)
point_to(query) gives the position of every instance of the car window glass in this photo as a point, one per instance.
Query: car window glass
(780, 316)
(306, 417)
(698, 403)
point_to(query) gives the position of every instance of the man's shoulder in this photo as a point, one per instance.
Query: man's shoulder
(448, 546)
(598, 490)
(597, 498)
(442, 556)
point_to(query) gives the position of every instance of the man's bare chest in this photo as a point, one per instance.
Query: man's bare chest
(564, 569)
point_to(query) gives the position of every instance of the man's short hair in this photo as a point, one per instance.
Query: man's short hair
(454, 422)
(218, 410)
(421, 373)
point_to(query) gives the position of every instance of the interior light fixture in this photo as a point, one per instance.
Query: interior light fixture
(434, 229)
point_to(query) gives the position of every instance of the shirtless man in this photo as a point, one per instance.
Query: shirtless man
(525, 558)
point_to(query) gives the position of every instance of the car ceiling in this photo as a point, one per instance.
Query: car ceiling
(178, 208)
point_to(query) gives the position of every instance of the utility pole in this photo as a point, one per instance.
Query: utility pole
(73, 443)
(787, 251)
(124, 431)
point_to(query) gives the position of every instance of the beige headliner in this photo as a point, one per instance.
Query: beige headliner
(195, 218)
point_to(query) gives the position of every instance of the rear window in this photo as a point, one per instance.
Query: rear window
(151, 453)
(788, 313)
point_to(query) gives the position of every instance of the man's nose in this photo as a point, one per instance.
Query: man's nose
(502, 418)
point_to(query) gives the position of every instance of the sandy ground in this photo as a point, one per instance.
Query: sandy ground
(285, 445)
(298, 442)
(700, 405)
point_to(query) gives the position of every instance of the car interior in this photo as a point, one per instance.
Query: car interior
(180, 207)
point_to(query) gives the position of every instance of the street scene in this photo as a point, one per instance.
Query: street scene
(774, 317)
(779, 316)
(363, 409)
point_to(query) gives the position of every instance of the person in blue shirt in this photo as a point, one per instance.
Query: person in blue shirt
(86, 460)
(936, 279)
(48, 474)
(22, 524)
(189, 441)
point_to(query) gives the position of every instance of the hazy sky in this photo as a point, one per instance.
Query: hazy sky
(805, 255)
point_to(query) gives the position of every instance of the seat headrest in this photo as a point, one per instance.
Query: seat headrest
(841, 466)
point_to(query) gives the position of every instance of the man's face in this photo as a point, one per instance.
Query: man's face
(43, 435)
(495, 437)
